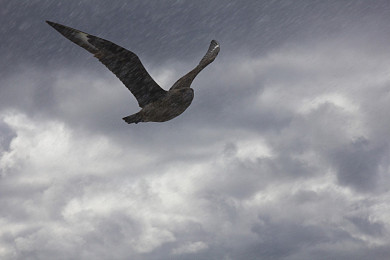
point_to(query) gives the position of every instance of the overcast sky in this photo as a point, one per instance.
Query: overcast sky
(283, 154)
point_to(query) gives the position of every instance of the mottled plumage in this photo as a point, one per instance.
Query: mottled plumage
(158, 105)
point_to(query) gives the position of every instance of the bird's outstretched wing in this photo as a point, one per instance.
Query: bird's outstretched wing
(123, 63)
(211, 54)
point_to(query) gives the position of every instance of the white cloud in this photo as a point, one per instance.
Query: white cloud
(190, 248)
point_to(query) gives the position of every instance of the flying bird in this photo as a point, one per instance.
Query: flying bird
(158, 105)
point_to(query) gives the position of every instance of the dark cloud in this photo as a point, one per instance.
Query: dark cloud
(6, 136)
(285, 239)
(368, 227)
(358, 164)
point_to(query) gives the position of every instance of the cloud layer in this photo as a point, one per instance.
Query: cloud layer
(284, 153)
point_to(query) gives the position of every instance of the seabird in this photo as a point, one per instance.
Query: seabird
(158, 105)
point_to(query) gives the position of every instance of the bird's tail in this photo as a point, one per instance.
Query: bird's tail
(135, 118)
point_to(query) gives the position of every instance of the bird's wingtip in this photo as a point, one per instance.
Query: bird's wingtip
(52, 24)
(214, 46)
(214, 42)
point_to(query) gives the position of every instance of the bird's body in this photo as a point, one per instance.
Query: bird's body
(174, 103)
(157, 104)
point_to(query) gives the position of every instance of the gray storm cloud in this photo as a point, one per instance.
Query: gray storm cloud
(282, 155)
